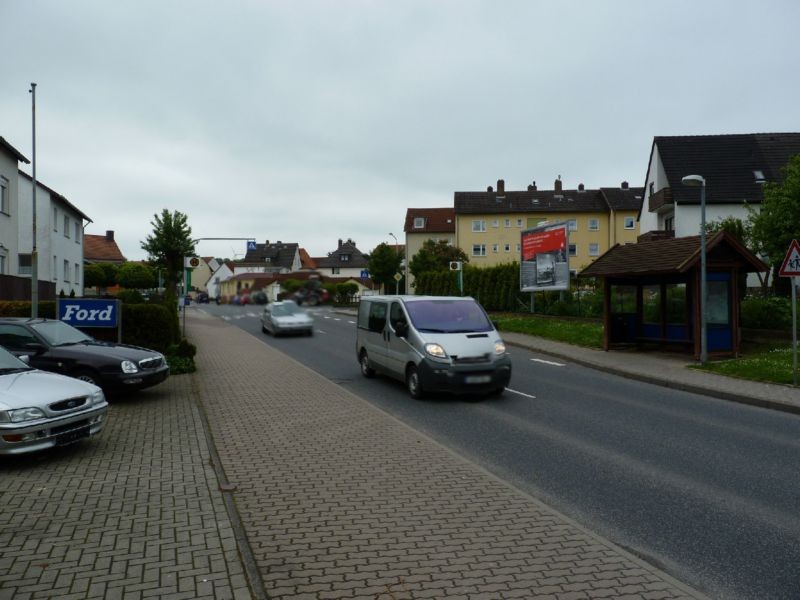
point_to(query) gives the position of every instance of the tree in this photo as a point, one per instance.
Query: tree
(778, 222)
(100, 275)
(435, 256)
(384, 262)
(169, 243)
(136, 276)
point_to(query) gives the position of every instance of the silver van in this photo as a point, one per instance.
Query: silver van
(432, 343)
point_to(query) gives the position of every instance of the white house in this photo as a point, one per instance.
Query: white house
(734, 167)
(59, 236)
(223, 272)
(10, 158)
(346, 261)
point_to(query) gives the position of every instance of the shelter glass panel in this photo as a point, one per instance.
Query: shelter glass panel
(623, 298)
(676, 303)
(651, 304)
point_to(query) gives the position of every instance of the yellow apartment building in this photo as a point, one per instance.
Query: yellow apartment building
(488, 224)
(423, 224)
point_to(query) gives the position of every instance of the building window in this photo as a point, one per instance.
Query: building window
(419, 222)
(495, 248)
(77, 273)
(594, 249)
(55, 219)
(518, 247)
(669, 223)
(630, 223)
(66, 226)
(4, 204)
(594, 225)
(66, 271)
(495, 223)
(507, 248)
(573, 250)
(508, 223)
(24, 263)
(478, 249)
(54, 276)
(572, 225)
(479, 226)
(77, 233)
(519, 222)
(344, 258)
(2, 264)
(335, 270)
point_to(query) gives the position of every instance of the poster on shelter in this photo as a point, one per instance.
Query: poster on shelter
(544, 264)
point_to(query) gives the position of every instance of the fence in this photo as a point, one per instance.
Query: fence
(19, 288)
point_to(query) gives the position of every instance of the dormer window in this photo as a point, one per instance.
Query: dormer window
(419, 222)
(344, 257)
(759, 175)
(267, 259)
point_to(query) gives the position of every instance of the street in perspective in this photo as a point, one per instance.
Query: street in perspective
(279, 471)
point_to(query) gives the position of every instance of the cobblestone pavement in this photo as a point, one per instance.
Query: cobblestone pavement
(133, 513)
(340, 500)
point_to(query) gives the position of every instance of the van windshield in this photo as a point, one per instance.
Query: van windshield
(448, 316)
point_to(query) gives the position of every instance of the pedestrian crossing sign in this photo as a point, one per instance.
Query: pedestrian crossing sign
(791, 264)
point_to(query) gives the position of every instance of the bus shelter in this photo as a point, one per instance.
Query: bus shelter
(651, 293)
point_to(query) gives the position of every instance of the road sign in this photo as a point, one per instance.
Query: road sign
(364, 274)
(397, 277)
(791, 264)
(251, 245)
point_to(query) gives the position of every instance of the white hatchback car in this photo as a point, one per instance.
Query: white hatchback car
(39, 410)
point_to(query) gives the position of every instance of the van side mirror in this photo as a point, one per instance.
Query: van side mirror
(35, 347)
(401, 329)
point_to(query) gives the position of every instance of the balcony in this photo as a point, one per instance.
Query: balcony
(660, 199)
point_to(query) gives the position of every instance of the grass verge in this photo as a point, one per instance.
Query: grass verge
(579, 333)
(772, 366)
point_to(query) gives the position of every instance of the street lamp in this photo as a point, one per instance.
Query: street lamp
(699, 181)
(396, 283)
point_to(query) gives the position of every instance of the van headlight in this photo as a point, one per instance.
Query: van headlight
(499, 348)
(128, 367)
(435, 350)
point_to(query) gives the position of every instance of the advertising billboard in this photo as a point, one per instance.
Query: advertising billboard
(544, 263)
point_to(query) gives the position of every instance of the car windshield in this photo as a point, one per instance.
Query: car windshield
(9, 362)
(58, 333)
(286, 309)
(448, 316)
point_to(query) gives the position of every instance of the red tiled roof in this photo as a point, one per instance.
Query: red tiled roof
(437, 220)
(306, 261)
(98, 248)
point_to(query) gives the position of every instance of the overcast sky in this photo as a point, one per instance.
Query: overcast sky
(310, 121)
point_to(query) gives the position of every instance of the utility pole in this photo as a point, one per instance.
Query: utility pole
(34, 252)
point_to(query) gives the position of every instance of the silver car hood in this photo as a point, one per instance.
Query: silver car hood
(37, 388)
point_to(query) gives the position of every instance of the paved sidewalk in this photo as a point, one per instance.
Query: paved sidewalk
(338, 499)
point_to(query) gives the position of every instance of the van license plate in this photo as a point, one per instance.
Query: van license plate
(477, 379)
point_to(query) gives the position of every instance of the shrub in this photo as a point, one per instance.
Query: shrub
(17, 308)
(130, 297)
(767, 313)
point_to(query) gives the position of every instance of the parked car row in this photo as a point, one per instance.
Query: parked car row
(54, 380)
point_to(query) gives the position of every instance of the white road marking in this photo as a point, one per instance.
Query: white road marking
(320, 331)
(548, 362)
(252, 314)
(352, 322)
(521, 393)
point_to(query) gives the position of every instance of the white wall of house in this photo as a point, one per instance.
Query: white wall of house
(223, 273)
(658, 178)
(687, 216)
(59, 237)
(342, 271)
(9, 214)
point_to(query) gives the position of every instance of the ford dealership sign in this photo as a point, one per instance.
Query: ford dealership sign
(89, 313)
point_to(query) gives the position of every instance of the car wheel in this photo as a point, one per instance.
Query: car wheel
(87, 376)
(413, 384)
(366, 370)
(264, 329)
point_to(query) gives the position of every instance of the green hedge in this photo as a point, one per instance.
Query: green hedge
(147, 325)
(767, 313)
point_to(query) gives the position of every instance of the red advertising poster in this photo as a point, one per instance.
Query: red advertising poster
(544, 263)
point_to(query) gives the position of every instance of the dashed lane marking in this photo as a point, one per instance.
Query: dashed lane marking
(521, 393)
(548, 362)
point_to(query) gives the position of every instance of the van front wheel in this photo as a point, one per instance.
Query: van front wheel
(366, 370)
(413, 383)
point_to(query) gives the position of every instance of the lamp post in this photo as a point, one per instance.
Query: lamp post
(699, 181)
(396, 283)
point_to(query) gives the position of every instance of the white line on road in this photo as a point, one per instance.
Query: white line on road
(548, 362)
(320, 331)
(521, 393)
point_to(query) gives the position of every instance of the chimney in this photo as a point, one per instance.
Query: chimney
(340, 242)
(109, 235)
(624, 185)
(532, 187)
(501, 186)
(558, 184)
(489, 189)
(581, 188)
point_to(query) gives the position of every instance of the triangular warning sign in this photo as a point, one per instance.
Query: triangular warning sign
(791, 264)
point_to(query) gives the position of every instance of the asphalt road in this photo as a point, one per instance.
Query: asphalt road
(705, 489)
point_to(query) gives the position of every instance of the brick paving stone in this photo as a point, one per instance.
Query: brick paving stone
(95, 520)
(327, 481)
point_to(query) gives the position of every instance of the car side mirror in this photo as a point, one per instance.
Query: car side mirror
(35, 347)
(25, 358)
